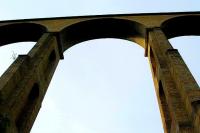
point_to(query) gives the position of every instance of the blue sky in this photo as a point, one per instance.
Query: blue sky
(103, 85)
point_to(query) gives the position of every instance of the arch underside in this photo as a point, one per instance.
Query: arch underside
(20, 32)
(182, 26)
(103, 28)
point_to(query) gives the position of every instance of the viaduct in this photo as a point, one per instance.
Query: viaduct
(25, 82)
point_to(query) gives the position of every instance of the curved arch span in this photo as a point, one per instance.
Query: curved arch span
(182, 26)
(103, 28)
(20, 32)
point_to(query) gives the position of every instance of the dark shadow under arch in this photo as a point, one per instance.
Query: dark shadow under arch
(102, 28)
(20, 32)
(181, 26)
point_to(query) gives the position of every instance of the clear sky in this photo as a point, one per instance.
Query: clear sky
(104, 85)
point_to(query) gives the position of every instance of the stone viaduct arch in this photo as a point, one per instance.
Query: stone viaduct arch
(103, 28)
(25, 82)
(18, 32)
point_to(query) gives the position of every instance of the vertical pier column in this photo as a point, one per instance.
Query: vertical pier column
(24, 84)
(176, 89)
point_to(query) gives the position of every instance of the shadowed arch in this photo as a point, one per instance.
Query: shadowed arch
(19, 32)
(181, 26)
(103, 28)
